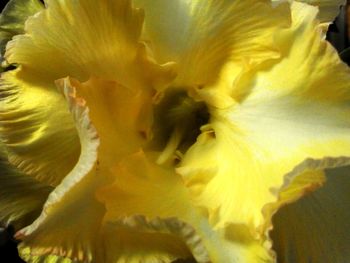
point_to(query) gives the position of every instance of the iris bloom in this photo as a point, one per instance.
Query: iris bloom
(154, 130)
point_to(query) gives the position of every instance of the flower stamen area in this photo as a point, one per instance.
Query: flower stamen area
(178, 119)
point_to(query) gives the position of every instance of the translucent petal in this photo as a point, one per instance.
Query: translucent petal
(13, 17)
(36, 127)
(295, 118)
(329, 9)
(314, 229)
(201, 36)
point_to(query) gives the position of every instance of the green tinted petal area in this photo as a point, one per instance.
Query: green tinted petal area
(13, 17)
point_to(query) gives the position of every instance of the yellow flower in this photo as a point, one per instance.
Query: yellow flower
(153, 130)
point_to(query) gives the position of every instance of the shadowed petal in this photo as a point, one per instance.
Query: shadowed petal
(315, 228)
(21, 197)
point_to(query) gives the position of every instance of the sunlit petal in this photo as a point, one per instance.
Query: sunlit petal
(36, 127)
(249, 151)
(314, 229)
(80, 38)
(201, 36)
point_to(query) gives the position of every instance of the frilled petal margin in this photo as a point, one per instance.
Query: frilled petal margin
(315, 228)
(71, 206)
(36, 127)
(139, 186)
(21, 197)
(13, 17)
(202, 36)
(249, 151)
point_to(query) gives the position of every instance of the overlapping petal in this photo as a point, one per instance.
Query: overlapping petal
(249, 151)
(314, 229)
(12, 19)
(202, 36)
(53, 234)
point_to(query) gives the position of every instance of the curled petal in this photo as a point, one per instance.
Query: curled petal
(314, 229)
(72, 199)
(202, 36)
(287, 125)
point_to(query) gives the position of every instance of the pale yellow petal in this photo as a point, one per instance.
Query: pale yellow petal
(315, 228)
(36, 127)
(329, 9)
(201, 36)
(13, 17)
(21, 197)
(295, 118)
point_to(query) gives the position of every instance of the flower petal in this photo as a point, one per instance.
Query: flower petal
(36, 127)
(295, 114)
(143, 187)
(68, 38)
(136, 239)
(329, 9)
(49, 234)
(201, 36)
(21, 197)
(12, 19)
(314, 229)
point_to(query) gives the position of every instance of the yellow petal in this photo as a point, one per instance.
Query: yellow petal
(314, 229)
(73, 199)
(13, 17)
(201, 36)
(69, 39)
(36, 127)
(143, 187)
(138, 239)
(295, 115)
(21, 197)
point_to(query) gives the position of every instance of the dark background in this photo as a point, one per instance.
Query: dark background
(338, 34)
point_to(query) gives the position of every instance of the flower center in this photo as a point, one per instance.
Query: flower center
(178, 119)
